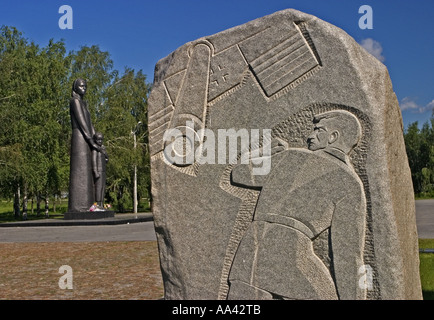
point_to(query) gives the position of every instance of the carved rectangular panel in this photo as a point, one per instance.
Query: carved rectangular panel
(278, 64)
(226, 71)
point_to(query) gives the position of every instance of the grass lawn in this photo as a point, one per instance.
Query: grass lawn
(56, 210)
(7, 211)
(427, 269)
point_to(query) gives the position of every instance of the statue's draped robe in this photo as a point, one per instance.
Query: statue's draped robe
(81, 186)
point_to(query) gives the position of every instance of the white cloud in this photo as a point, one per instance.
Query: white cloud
(409, 104)
(374, 48)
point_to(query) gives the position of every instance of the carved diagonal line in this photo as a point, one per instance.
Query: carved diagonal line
(276, 53)
(288, 75)
(160, 122)
(160, 114)
(293, 60)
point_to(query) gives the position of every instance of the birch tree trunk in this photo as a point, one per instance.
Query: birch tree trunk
(25, 201)
(38, 205)
(46, 206)
(17, 203)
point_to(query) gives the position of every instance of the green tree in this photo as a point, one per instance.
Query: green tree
(35, 89)
(13, 53)
(420, 151)
(32, 86)
(96, 67)
(123, 118)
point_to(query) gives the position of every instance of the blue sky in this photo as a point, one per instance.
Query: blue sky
(138, 33)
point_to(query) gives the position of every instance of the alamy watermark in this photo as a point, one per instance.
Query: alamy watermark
(185, 146)
(367, 20)
(66, 20)
(65, 281)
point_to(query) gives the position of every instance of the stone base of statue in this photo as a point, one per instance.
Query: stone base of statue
(88, 215)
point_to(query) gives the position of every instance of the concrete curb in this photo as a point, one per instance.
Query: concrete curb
(117, 219)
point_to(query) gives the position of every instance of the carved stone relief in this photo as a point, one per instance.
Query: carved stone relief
(317, 223)
(303, 212)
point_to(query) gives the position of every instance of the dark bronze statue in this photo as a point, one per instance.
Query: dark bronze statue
(81, 182)
(99, 160)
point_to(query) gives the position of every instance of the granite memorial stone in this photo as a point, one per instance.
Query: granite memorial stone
(279, 168)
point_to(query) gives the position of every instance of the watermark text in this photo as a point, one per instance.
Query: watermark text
(185, 146)
(65, 281)
(65, 21)
(367, 20)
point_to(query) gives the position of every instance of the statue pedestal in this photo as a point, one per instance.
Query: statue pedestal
(88, 215)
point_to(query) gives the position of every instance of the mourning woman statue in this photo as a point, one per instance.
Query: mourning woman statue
(81, 185)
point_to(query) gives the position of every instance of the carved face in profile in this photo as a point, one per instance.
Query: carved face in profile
(321, 136)
(337, 129)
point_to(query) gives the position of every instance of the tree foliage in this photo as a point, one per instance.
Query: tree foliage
(35, 88)
(419, 144)
(122, 118)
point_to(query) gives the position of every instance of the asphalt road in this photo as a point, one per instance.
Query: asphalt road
(140, 231)
(425, 218)
(144, 231)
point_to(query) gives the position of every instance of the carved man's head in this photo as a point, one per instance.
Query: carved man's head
(335, 129)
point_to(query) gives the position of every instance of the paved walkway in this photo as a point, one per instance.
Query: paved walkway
(131, 227)
(123, 227)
